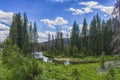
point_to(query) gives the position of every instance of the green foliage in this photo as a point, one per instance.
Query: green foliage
(75, 72)
(66, 50)
(92, 35)
(102, 62)
(95, 35)
(18, 32)
(107, 36)
(71, 72)
(74, 40)
(19, 67)
(25, 37)
(75, 50)
(111, 74)
(84, 34)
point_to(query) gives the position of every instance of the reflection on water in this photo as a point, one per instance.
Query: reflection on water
(66, 62)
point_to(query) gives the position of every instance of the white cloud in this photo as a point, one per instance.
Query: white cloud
(76, 11)
(6, 17)
(80, 27)
(70, 28)
(60, 21)
(87, 10)
(80, 11)
(96, 5)
(43, 36)
(90, 6)
(3, 27)
(105, 9)
(105, 15)
(53, 23)
(4, 32)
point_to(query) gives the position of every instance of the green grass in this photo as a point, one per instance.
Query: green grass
(93, 58)
(50, 71)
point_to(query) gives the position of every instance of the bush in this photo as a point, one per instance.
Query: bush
(19, 67)
(102, 62)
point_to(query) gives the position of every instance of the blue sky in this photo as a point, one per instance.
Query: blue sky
(50, 14)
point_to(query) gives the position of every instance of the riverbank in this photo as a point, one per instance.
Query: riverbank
(81, 60)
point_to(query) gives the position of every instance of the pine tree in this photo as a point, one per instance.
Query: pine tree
(84, 34)
(53, 43)
(13, 30)
(74, 40)
(35, 36)
(93, 36)
(31, 37)
(62, 41)
(107, 36)
(49, 42)
(19, 34)
(35, 33)
(96, 36)
(99, 37)
(25, 36)
(19, 29)
(31, 33)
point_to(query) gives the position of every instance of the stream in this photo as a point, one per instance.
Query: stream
(39, 55)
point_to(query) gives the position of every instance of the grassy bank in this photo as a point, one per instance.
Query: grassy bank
(74, 60)
(51, 71)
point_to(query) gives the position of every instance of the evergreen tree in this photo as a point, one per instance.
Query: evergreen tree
(62, 41)
(13, 30)
(19, 34)
(35, 33)
(35, 36)
(53, 42)
(96, 36)
(49, 42)
(74, 40)
(31, 37)
(20, 30)
(25, 36)
(99, 36)
(107, 36)
(84, 35)
(93, 36)
(31, 33)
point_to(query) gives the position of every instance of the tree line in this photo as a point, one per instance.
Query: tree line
(91, 41)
